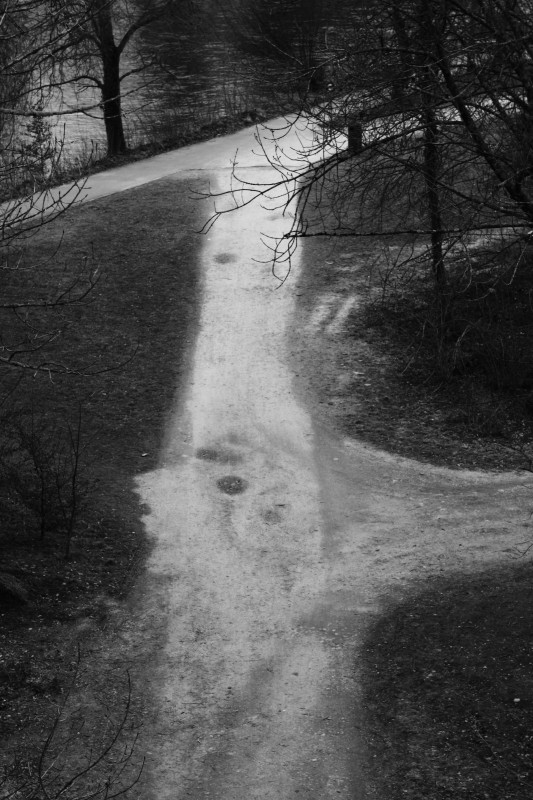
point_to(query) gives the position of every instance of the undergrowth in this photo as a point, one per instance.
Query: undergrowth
(472, 346)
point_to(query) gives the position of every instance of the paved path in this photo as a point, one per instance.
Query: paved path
(246, 148)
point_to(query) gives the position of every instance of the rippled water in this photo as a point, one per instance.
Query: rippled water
(205, 73)
(207, 83)
(151, 104)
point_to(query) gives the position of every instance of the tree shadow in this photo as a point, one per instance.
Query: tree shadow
(448, 689)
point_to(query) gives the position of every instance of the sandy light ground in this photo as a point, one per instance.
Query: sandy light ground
(275, 542)
(248, 671)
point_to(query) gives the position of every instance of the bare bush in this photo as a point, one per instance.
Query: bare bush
(43, 462)
(87, 753)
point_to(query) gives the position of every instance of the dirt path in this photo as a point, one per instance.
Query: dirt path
(248, 667)
(274, 545)
(275, 542)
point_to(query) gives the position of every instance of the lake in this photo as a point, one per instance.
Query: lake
(206, 69)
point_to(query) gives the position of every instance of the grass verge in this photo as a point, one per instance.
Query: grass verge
(132, 332)
(377, 377)
(448, 690)
(162, 138)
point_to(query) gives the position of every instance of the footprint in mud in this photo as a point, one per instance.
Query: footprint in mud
(219, 455)
(271, 516)
(225, 258)
(232, 484)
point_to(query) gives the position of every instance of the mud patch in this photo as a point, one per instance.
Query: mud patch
(271, 516)
(219, 455)
(232, 484)
(225, 258)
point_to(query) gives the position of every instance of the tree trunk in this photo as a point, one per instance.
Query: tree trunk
(111, 101)
(401, 80)
(428, 90)
(116, 141)
(355, 136)
(431, 176)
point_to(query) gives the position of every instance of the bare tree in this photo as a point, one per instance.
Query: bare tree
(289, 34)
(84, 754)
(424, 134)
(32, 33)
(441, 95)
(105, 30)
(79, 44)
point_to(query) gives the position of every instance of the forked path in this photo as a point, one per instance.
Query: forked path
(273, 542)
(254, 693)
(235, 516)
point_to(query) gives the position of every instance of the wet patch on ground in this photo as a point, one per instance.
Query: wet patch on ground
(271, 516)
(232, 484)
(218, 455)
(225, 258)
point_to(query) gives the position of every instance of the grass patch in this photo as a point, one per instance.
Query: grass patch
(141, 315)
(448, 690)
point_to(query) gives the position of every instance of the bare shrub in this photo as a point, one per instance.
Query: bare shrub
(88, 753)
(43, 462)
